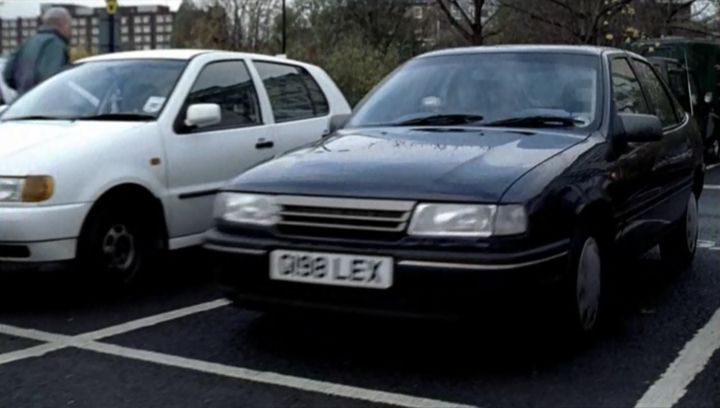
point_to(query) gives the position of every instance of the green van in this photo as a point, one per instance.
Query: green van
(692, 69)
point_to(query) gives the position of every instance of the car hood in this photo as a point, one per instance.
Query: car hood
(28, 147)
(470, 164)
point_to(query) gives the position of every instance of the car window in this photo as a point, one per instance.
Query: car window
(122, 87)
(293, 93)
(657, 93)
(228, 84)
(627, 93)
(493, 87)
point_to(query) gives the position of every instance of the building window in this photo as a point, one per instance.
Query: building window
(138, 39)
(148, 39)
(168, 28)
(74, 32)
(124, 20)
(146, 29)
(95, 21)
(146, 19)
(137, 19)
(146, 47)
(82, 31)
(95, 31)
(82, 22)
(125, 39)
(160, 29)
(25, 33)
(418, 12)
(125, 29)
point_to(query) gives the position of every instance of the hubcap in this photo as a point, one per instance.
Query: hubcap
(589, 284)
(691, 223)
(119, 248)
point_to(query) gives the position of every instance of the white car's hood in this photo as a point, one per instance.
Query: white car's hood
(27, 147)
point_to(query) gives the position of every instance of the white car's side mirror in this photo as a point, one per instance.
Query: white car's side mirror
(203, 115)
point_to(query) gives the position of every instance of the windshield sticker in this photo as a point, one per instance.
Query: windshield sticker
(154, 104)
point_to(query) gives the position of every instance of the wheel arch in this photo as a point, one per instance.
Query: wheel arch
(133, 195)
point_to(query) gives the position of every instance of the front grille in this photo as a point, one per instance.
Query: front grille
(343, 218)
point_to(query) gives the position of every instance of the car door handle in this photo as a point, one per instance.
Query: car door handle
(264, 144)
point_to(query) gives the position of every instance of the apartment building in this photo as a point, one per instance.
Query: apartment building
(137, 28)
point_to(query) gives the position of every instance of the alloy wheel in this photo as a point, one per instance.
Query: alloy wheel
(589, 281)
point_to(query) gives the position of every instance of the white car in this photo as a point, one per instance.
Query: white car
(121, 156)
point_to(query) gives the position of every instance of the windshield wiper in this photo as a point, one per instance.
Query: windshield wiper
(118, 117)
(441, 120)
(536, 121)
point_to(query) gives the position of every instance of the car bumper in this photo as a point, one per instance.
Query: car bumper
(426, 283)
(40, 234)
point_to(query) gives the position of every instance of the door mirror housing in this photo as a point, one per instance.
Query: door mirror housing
(202, 115)
(337, 122)
(640, 128)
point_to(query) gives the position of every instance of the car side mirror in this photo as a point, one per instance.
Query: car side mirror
(640, 128)
(337, 122)
(202, 115)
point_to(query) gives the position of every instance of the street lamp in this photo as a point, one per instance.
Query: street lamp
(284, 28)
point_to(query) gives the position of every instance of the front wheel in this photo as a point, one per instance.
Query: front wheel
(582, 289)
(678, 248)
(115, 246)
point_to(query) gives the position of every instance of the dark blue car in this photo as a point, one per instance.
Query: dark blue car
(469, 173)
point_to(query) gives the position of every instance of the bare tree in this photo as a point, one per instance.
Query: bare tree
(250, 22)
(471, 18)
(582, 21)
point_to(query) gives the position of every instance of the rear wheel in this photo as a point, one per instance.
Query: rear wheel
(678, 249)
(116, 245)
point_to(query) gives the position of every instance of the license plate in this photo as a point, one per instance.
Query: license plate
(332, 269)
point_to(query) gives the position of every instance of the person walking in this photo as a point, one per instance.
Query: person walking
(43, 55)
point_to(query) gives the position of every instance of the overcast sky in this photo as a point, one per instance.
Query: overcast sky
(26, 8)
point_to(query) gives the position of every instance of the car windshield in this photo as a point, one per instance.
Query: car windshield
(123, 89)
(468, 89)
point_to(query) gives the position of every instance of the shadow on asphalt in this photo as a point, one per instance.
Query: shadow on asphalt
(29, 289)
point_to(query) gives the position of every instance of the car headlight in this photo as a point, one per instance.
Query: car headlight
(464, 220)
(32, 189)
(253, 209)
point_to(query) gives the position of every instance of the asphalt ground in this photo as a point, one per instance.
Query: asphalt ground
(174, 342)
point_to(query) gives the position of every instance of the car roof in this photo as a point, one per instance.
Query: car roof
(180, 54)
(574, 49)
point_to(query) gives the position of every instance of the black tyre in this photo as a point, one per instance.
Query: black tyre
(116, 245)
(582, 300)
(678, 248)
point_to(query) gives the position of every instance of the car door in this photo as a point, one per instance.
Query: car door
(299, 106)
(201, 161)
(673, 168)
(632, 187)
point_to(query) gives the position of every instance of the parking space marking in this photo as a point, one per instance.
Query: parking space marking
(154, 320)
(271, 378)
(712, 187)
(37, 351)
(712, 166)
(88, 341)
(691, 361)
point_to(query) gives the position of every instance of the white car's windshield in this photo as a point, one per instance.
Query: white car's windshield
(128, 89)
(486, 87)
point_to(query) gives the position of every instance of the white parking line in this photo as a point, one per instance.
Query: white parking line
(87, 341)
(711, 187)
(712, 166)
(154, 320)
(691, 361)
(266, 377)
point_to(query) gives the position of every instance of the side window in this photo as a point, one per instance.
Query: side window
(627, 93)
(228, 84)
(657, 93)
(293, 93)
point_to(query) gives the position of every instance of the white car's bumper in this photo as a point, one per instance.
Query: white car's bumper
(40, 234)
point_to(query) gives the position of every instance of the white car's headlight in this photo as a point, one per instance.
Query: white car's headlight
(30, 189)
(466, 220)
(253, 209)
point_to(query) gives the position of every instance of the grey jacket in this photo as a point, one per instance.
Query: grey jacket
(39, 58)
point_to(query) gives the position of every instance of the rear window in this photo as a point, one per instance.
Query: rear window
(294, 94)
